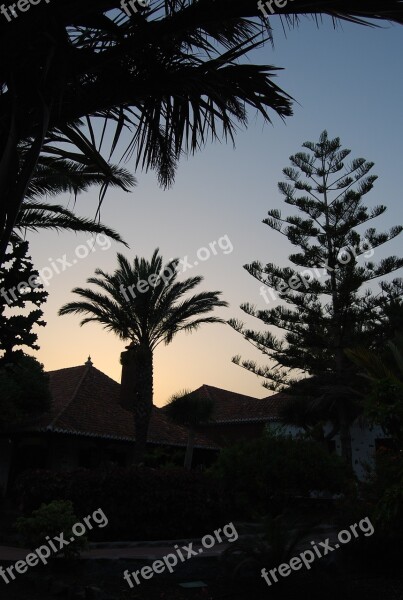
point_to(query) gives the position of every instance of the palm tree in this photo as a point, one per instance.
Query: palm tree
(144, 304)
(383, 402)
(190, 410)
(168, 74)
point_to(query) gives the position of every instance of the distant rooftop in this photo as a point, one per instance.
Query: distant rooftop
(231, 407)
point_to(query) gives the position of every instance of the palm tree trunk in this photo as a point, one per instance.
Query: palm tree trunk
(136, 392)
(15, 177)
(143, 399)
(189, 448)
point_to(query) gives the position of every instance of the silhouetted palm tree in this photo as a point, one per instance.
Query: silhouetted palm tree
(168, 73)
(383, 401)
(191, 410)
(144, 314)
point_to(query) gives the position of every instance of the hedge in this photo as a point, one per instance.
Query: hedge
(140, 503)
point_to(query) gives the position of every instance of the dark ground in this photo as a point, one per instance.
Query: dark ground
(101, 581)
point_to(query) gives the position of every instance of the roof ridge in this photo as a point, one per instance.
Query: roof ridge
(105, 375)
(64, 369)
(206, 387)
(229, 391)
(83, 376)
(80, 367)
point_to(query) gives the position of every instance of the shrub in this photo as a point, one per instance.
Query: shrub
(140, 503)
(385, 490)
(51, 520)
(247, 557)
(389, 512)
(262, 475)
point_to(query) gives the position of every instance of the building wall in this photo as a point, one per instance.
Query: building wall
(225, 434)
(363, 444)
(363, 439)
(63, 453)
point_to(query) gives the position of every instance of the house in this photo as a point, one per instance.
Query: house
(237, 417)
(86, 427)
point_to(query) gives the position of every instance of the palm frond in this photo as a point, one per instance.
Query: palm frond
(36, 216)
(139, 304)
(169, 77)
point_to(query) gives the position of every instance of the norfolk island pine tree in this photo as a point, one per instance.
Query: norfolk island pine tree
(326, 313)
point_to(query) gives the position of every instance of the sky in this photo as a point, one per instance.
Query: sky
(347, 81)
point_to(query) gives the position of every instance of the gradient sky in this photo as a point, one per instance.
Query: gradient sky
(347, 81)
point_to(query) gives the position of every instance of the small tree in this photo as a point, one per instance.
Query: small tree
(326, 313)
(23, 383)
(50, 520)
(20, 287)
(383, 403)
(24, 390)
(191, 410)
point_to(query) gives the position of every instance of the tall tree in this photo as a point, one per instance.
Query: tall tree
(327, 311)
(143, 303)
(167, 72)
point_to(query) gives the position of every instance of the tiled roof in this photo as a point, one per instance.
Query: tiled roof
(230, 407)
(86, 402)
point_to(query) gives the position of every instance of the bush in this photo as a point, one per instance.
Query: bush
(51, 520)
(24, 390)
(385, 490)
(140, 503)
(263, 475)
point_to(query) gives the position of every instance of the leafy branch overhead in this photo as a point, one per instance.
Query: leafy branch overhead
(54, 176)
(160, 83)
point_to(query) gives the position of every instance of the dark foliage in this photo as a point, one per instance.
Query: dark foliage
(140, 503)
(265, 475)
(24, 390)
(20, 287)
